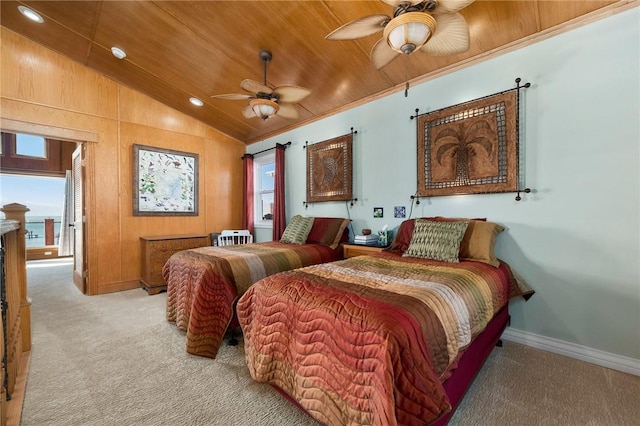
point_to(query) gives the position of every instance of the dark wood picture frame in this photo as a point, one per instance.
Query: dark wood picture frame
(329, 170)
(165, 182)
(469, 148)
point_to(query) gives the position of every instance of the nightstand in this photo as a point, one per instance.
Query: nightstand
(352, 250)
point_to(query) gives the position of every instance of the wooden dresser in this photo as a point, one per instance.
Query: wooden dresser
(157, 250)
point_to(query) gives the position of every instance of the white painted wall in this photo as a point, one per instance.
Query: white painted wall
(576, 239)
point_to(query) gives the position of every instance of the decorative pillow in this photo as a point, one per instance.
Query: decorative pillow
(479, 241)
(297, 230)
(405, 231)
(436, 240)
(329, 231)
(403, 236)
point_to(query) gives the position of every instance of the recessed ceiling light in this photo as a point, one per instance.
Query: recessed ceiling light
(196, 101)
(34, 16)
(118, 53)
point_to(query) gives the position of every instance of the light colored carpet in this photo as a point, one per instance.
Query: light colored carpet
(115, 360)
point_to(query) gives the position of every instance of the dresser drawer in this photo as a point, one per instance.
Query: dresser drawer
(155, 253)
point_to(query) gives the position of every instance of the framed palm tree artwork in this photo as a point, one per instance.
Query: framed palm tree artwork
(329, 170)
(469, 148)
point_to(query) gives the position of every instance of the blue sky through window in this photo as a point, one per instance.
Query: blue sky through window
(43, 196)
(30, 145)
(268, 173)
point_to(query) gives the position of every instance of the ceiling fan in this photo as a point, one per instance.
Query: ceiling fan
(264, 101)
(431, 26)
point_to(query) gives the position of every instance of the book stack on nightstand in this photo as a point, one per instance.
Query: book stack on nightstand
(367, 240)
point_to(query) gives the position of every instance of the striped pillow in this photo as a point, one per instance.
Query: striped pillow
(329, 231)
(297, 230)
(436, 240)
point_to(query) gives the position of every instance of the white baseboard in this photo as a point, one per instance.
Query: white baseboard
(572, 350)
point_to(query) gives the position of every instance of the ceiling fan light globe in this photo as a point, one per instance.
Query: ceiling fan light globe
(264, 108)
(410, 31)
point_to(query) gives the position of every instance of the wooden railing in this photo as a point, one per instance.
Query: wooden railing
(15, 337)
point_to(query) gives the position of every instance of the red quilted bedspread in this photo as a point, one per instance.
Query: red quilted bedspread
(369, 340)
(203, 283)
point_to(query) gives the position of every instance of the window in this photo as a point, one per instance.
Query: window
(264, 171)
(31, 146)
(44, 196)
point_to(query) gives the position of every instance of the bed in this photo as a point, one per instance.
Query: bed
(204, 283)
(383, 339)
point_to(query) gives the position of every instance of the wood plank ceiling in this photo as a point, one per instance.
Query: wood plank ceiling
(179, 49)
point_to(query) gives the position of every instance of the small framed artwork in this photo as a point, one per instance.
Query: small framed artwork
(378, 212)
(165, 182)
(400, 211)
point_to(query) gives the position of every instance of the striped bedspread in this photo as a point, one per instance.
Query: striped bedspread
(370, 339)
(203, 283)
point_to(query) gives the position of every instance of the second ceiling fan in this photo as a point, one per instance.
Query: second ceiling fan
(266, 102)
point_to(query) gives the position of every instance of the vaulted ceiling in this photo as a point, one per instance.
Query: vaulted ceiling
(182, 49)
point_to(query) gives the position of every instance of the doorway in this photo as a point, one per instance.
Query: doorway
(49, 164)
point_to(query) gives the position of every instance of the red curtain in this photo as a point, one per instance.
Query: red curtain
(247, 200)
(279, 214)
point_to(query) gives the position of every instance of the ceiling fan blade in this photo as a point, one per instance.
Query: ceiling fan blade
(394, 3)
(233, 97)
(291, 93)
(288, 111)
(449, 6)
(382, 54)
(247, 112)
(451, 36)
(255, 87)
(359, 28)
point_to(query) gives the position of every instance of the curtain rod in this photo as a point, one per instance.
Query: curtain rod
(268, 149)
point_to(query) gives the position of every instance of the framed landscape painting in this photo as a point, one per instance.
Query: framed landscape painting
(165, 182)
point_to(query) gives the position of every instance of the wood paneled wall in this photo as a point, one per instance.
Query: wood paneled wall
(51, 95)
